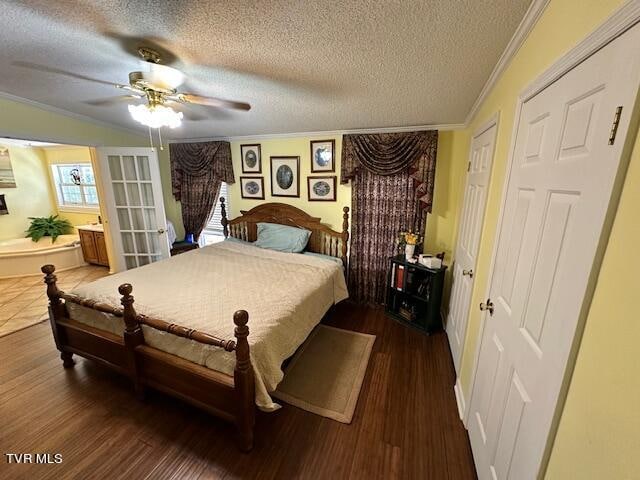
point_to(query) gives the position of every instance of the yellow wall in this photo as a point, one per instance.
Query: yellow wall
(70, 154)
(597, 432)
(330, 212)
(451, 162)
(25, 121)
(441, 230)
(32, 195)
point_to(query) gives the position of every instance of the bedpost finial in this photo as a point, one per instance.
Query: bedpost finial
(125, 289)
(224, 221)
(345, 209)
(241, 318)
(48, 269)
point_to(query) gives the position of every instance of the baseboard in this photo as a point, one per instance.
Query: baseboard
(457, 389)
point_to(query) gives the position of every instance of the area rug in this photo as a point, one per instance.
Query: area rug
(325, 375)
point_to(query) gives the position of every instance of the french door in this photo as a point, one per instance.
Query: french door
(475, 197)
(565, 162)
(134, 203)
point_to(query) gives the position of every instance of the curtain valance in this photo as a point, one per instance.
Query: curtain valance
(392, 153)
(197, 170)
(199, 160)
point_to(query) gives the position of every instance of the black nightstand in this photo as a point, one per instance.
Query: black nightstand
(181, 247)
(414, 294)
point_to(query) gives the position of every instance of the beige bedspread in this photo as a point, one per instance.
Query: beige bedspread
(285, 294)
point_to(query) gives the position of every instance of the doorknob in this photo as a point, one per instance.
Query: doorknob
(161, 231)
(487, 306)
(468, 272)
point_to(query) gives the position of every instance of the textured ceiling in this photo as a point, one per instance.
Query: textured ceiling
(302, 65)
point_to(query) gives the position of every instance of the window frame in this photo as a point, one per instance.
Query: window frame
(58, 183)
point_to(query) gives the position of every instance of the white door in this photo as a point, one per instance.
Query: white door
(133, 191)
(475, 197)
(558, 192)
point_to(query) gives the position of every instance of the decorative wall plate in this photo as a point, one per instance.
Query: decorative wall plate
(322, 189)
(252, 187)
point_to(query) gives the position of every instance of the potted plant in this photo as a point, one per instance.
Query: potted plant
(50, 226)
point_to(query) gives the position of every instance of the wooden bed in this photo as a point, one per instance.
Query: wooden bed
(229, 397)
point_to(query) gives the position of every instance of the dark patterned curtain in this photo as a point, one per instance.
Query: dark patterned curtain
(197, 170)
(393, 176)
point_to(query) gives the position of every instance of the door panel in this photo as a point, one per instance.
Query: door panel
(480, 160)
(558, 192)
(134, 203)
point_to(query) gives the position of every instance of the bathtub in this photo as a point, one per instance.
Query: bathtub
(22, 256)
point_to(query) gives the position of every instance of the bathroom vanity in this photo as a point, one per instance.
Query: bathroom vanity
(93, 245)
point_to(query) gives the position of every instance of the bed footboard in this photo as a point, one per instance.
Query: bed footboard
(230, 398)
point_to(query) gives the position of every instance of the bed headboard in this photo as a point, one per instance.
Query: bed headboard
(323, 239)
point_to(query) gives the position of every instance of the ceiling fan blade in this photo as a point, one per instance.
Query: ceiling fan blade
(57, 71)
(211, 101)
(105, 102)
(187, 112)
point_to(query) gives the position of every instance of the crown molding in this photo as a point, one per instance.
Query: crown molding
(321, 133)
(531, 17)
(620, 21)
(67, 113)
(615, 25)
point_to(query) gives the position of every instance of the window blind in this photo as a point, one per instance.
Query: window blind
(214, 226)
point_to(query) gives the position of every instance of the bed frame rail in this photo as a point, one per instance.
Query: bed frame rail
(232, 398)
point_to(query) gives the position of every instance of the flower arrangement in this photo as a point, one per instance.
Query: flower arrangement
(408, 238)
(408, 241)
(411, 238)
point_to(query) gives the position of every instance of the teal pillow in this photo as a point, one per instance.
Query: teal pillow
(282, 238)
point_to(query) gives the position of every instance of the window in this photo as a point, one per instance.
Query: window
(75, 185)
(212, 233)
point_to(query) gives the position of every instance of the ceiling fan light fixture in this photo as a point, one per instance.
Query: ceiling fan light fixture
(156, 116)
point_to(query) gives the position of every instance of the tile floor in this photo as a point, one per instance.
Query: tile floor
(23, 301)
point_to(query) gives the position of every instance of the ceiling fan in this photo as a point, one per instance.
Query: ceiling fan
(158, 86)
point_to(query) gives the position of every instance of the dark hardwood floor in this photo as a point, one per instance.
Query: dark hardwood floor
(406, 424)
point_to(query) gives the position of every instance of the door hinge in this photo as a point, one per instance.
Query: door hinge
(614, 127)
(468, 166)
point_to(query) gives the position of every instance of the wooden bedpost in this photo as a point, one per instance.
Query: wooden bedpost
(132, 336)
(56, 312)
(345, 235)
(224, 221)
(244, 382)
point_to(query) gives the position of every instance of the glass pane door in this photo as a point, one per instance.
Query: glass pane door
(138, 225)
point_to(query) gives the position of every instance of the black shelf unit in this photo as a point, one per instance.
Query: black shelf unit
(414, 298)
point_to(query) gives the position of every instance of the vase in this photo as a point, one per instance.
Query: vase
(408, 251)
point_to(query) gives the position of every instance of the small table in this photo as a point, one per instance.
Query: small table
(414, 294)
(181, 247)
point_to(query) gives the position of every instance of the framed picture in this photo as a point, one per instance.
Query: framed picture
(252, 187)
(251, 158)
(322, 189)
(7, 179)
(285, 176)
(322, 153)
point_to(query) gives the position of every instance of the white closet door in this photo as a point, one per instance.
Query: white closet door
(134, 203)
(475, 197)
(558, 193)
